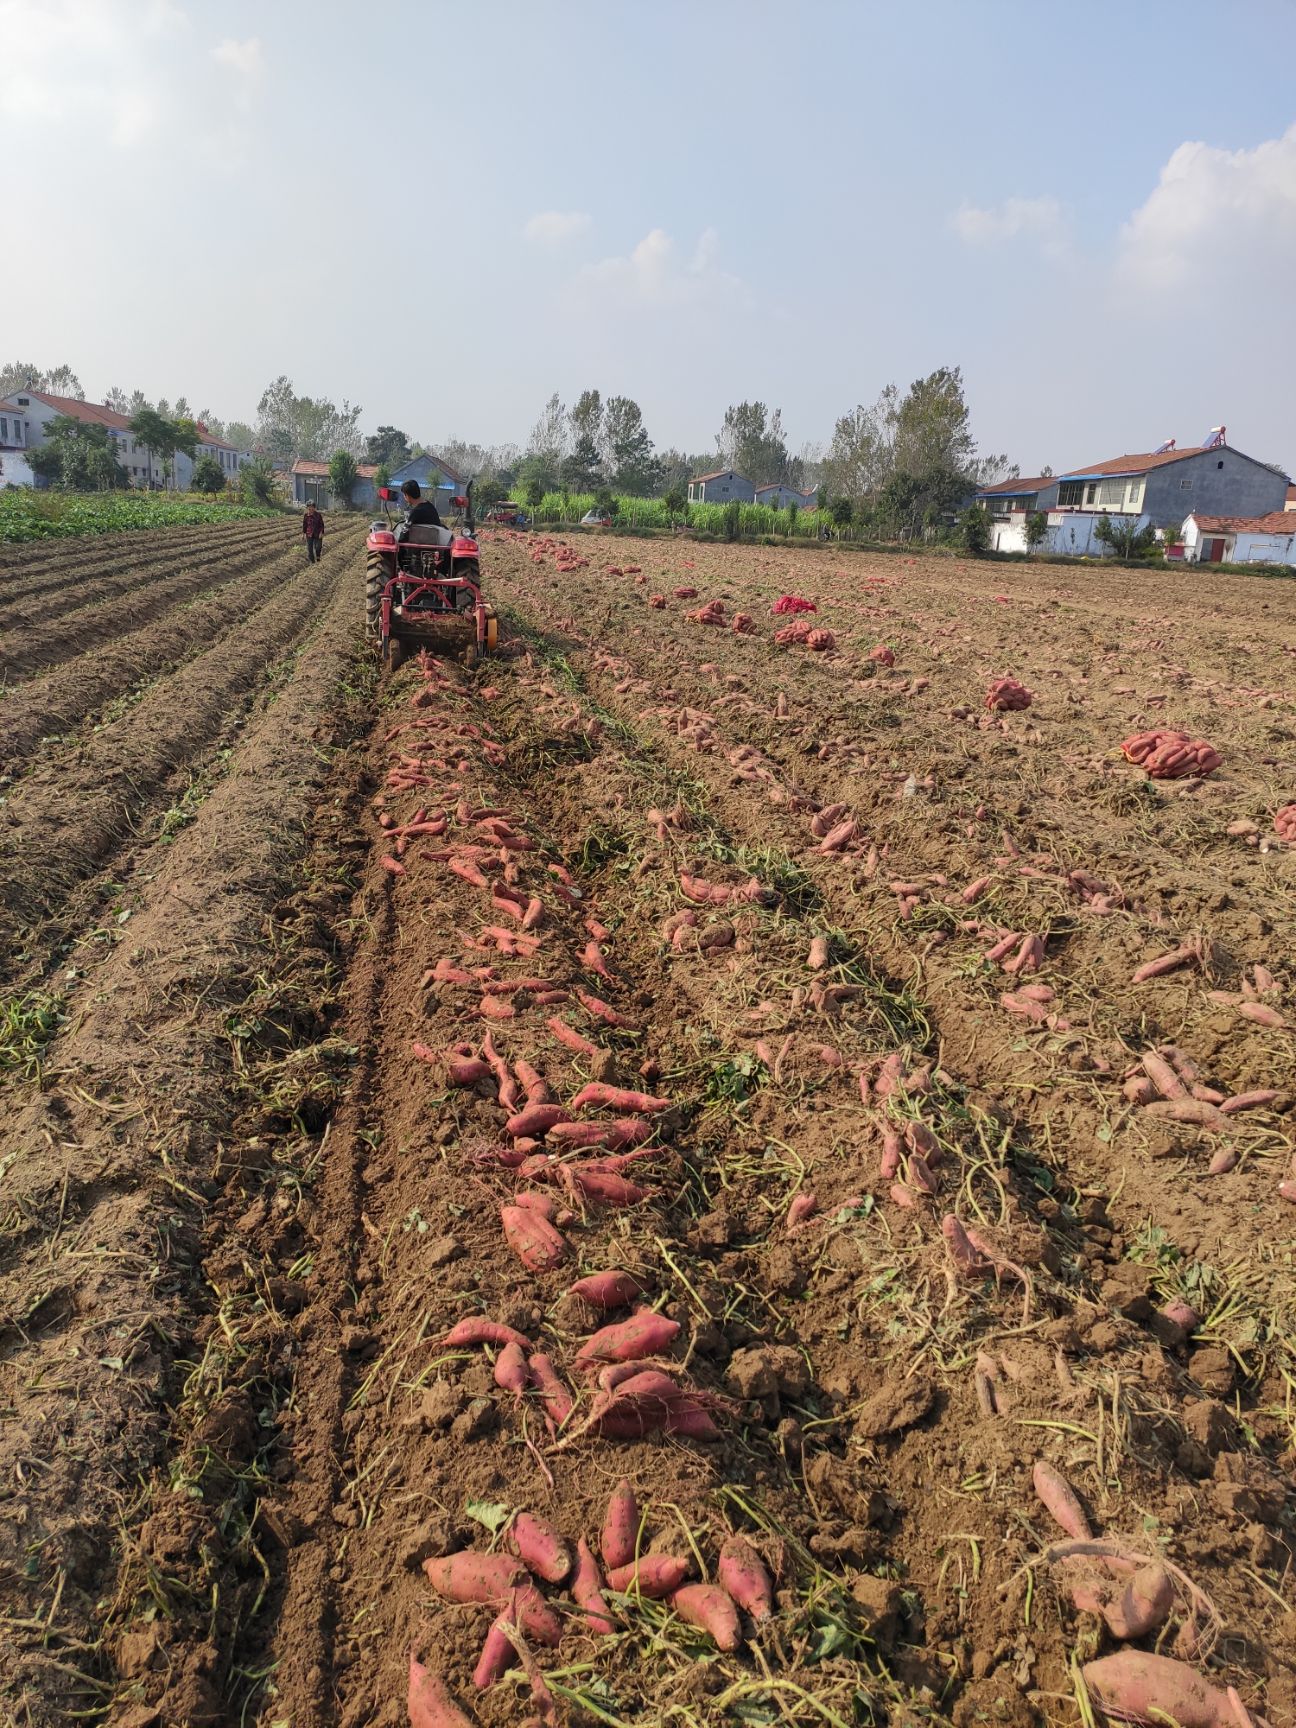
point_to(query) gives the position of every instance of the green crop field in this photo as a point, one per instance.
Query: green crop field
(29, 515)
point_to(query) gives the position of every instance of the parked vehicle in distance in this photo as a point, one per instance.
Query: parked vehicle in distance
(507, 515)
(596, 519)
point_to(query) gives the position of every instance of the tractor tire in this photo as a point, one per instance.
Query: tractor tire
(375, 581)
(492, 632)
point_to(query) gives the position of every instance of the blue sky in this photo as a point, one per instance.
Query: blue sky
(445, 212)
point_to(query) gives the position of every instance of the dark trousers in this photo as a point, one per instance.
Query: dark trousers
(314, 548)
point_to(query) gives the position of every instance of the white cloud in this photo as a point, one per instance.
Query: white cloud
(552, 227)
(655, 275)
(1214, 214)
(244, 59)
(1042, 220)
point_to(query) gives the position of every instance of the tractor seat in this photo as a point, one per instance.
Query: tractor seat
(427, 534)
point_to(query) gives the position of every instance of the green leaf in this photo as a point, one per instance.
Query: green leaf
(493, 1514)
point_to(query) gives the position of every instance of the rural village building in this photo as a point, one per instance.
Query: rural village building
(436, 478)
(781, 496)
(310, 484)
(721, 487)
(14, 470)
(1267, 539)
(1161, 487)
(29, 413)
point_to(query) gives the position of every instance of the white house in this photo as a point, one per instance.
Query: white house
(14, 470)
(30, 411)
(1267, 539)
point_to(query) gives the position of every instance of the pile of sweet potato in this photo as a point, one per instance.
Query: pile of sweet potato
(792, 603)
(1006, 694)
(535, 1554)
(1285, 824)
(1168, 755)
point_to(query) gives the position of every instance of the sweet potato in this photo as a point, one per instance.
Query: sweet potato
(625, 1131)
(1060, 1501)
(655, 1575)
(569, 1036)
(540, 1548)
(511, 1371)
(620, 1527)
(1142, 1605)
(1257, 1100)
(537, 1202)
(742, 1572)
(536, 1119)
(644, 1334)
(1135, 1686)
(533, 1083)
(967, 1260)
(608, 1289)
(605, 1187)
(802, 1209)
(535, 1241)
(587, 1591)
(711, 1608)
(496, 1654)
(617, 1099)
(478, 1331)
(1162, 1075)
(472, 1577)
(1195, 1112)
(818, 956)
(688, 1420)
(429, 1702)
(555, 1397)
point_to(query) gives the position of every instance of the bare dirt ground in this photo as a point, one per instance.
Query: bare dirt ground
(243, 1205)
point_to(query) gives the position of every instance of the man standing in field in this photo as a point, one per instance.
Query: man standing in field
(313, 529)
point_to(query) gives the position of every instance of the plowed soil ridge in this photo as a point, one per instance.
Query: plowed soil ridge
(143, 1362)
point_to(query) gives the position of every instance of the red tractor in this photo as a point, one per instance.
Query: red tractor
(423, 589)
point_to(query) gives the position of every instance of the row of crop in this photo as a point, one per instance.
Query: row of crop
(720, 519)
(26, 514)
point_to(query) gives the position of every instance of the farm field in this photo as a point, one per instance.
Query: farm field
(291, 954)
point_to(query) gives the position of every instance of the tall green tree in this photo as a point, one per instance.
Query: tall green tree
(208, 475)
(78, 455)
(342, 477)
(628, 450)
(582, 467)
(548, 446)
(751, 440)
(162, 436)
(290, 426)
(388, 444)
(24, 374)
(861, 456)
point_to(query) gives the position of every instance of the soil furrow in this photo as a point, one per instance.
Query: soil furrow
(147, 1353)
(73, 813)
(51, 705)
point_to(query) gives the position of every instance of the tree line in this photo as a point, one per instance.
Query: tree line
(903, 463)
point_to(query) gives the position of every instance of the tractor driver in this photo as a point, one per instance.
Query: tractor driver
(420, 511)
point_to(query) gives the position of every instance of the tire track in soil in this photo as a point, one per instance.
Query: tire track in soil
(66, 820)
(160, 1354)
(49, 637)
(78, 690)
(1211, 1227)
(382, 1507)
(82, 573)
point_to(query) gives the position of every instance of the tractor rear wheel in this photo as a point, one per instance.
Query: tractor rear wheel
(375, 580)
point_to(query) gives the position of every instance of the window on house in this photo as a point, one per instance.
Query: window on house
(1070, 494)
(1219, 464)
(4, 430)
(1185, 485)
